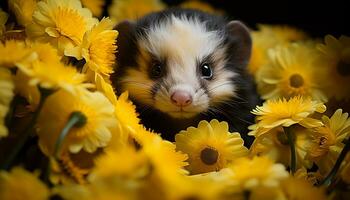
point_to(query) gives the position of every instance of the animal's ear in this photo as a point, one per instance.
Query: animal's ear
(241, 40)
(126, 42)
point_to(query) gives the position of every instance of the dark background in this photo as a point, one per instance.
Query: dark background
(317, 18)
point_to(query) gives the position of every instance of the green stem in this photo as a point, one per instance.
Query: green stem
(27, 131)
(76, 119)
(330, 177)
(293, 159)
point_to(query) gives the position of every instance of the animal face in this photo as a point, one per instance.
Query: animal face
(181, 68)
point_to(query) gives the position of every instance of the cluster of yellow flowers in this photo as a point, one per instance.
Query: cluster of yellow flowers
(55, 63)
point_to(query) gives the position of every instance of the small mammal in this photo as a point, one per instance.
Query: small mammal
(181, 66)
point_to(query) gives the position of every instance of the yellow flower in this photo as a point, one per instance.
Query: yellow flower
(95, 6)
(210, 147)
(44, 52)
(3, 20)
(293, 71)
(165, 157)
(94, 133)
(53, 75)
(62, 23)
(23, 10)
(106, 88)
(337, 57)
(258, 171)
(134, 164)
(274, 144)
(133, 9)
(300, 189)
(327, 140)
(282, 112)
(156, 163)
(267, 37)
(125, 111)
(98, 48)
(311, 177)
(72, 167)
(202, 186)
(20, 184)
(12, 52)
(199, 5)
(128, 127)
(6, 95)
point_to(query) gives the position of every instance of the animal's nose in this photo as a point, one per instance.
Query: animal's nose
(181, 98)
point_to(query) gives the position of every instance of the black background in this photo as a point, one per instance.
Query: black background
(317, 18)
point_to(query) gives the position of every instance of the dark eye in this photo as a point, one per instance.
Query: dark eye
(156, 70)
(206, 71)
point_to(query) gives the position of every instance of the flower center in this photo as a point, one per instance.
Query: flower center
(296, 81)
(322, 141)
(209, 156)
(343, 68)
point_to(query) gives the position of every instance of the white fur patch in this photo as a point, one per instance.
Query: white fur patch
(182, 43)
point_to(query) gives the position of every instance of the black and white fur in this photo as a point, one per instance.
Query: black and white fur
(175, 45)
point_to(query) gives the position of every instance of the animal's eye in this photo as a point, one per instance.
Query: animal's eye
(206, 71)
(156, 70)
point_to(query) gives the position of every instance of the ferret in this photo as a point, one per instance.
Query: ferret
(181, 66)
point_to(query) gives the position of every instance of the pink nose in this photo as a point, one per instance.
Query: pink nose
(181, 98)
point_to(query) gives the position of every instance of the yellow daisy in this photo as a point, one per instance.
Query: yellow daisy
(6, 95)
(20, 184)
(200, 5)
(128, 127)
(12, 52)
(98, 48)
(3, 20)
(300, 189)
(133, 9)
(44, 52)
(94, 132)
(53, 75)
(106, 88)
(210, 147)
(258, 171)
(95, 6)
(202, 186)
(274, 145)
(72, 168)
(282, 112)
(23, 10)
(125, 111)
(327, 140)
(62, 23)
(270, 36)
(336, 53)
(135, 164)
(293, 70)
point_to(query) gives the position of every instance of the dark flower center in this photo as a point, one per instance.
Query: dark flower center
(209, 156)
(296, 81)
(323, 140)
